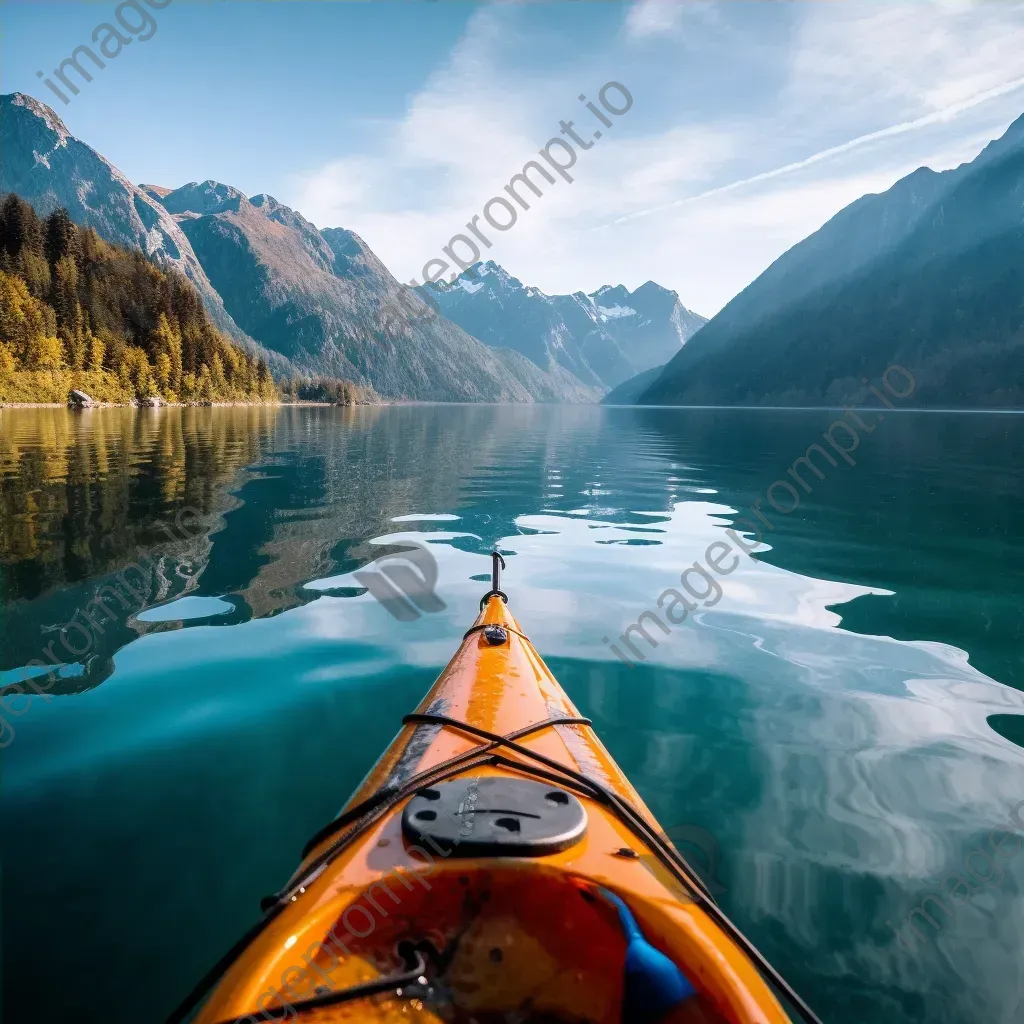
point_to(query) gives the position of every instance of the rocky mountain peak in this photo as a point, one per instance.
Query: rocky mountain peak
(198, 199)
(496, 276)
(609, 293)
(46, 114)
(603, 338)
(652, 288)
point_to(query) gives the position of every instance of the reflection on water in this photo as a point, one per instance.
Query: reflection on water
(187, 608)
(842, 721)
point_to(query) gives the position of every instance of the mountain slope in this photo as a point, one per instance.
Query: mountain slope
(630, 390)
(603, 339)
(325, 301)
(48, 167)
(78, 313)
(929, 274)
(649, 324)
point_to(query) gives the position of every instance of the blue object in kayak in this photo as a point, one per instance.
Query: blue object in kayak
(653, 983)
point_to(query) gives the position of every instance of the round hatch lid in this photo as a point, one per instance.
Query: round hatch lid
(495, 817)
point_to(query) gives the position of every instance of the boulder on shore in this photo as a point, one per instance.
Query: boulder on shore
(79, 400)
(152, 401)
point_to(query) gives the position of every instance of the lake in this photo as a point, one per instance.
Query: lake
(843, 718)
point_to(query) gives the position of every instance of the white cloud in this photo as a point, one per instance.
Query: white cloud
(857, 96)
(936, 117)
(648, 18)
(653, 17)
(911, 58)
(451, 135)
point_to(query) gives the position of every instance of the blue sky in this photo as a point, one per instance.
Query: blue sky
(752, 122)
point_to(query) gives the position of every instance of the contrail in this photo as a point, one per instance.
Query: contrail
(946, 114)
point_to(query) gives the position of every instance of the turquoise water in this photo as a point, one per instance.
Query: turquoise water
(844, 719)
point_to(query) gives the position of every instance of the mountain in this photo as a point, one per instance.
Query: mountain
(48, 167)
(650, 324)
(265, 273)
(327, 303)
(630, 390)
(603, 338)
(929, 274)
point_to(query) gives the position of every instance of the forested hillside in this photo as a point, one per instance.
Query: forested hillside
(76, 312)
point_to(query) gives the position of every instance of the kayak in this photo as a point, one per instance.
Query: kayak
(495, 865)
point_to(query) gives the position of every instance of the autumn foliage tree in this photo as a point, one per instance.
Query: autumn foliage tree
(327, 390)
(78, 312)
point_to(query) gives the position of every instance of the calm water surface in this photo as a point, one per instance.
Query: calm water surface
(844, 721)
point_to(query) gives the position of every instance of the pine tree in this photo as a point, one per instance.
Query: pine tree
(61, 237)
(8, 364)
(165, 342)
(96, 350)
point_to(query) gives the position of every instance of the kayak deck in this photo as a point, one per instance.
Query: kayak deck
(437, 932)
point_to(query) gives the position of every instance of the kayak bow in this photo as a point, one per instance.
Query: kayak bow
(494, 866)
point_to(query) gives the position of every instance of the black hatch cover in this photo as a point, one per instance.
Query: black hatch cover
(495, 817)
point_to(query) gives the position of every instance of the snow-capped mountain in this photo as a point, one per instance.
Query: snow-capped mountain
(603, 338)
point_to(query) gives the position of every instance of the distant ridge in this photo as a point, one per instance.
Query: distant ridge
(326, 302)
(929, 274)
(603, 338)
(630, 390)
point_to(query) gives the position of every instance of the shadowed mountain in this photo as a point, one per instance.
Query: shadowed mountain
(630, 390)
(928, 274)
(325, 301)
(603, 338)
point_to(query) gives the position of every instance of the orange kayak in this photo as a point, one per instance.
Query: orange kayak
(494, 866)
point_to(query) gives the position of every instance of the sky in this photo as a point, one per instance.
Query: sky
(752, 122)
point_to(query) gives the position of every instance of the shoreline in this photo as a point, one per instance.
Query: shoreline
(176, 405)
(124, 405)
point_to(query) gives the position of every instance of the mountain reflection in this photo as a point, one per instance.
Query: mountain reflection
(252, 502)
(292, 494)
(930, 510)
